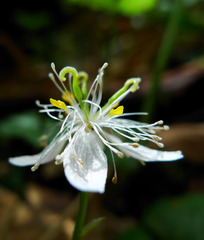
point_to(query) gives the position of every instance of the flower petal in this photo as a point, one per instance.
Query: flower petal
(150, 155)
(85, 163)
(47, 155)
(144, 153)
(25, 160)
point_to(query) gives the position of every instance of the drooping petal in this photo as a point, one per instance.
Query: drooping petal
(47, 155)
(150, 155)
(25, 160)
(144, 153)
(85, 163)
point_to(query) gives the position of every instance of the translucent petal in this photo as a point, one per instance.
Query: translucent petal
(25, 160)
(144, 153)
(150, 155)
(47, 155)
(85, 163)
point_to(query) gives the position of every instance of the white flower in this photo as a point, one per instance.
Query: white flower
(87, 127)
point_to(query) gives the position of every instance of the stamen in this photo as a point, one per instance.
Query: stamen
(66, 97)
(97, 81)
(143, 163)
(160, 122)
(136, 139)
(117, 111)
(166, 127)
(63, 88)
(95, 126)
(157, 138)
(58, 104)
(120, 154)
(64, 123)
(135, 145)
(105, 65)
(53, 67)
(114, 180)
(35, 167)
(161, 145)
(58, 159)
(37, 102)
(93, 103)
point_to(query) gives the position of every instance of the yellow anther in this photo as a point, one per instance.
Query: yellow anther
(68, 97)
(58, 104)
(117, 111)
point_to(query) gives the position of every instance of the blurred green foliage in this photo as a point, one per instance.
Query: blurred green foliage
(33, 21)
(134, 234)
(28, 126)
(176, 218)
(124, 7)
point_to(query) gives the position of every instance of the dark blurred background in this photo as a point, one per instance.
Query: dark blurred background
(159, 41)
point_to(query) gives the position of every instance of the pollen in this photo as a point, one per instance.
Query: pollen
(58, 104)
(117, 111)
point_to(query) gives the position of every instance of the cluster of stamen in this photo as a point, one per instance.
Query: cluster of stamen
(83, 109)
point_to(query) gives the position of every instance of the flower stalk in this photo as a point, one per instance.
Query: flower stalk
(81, 216)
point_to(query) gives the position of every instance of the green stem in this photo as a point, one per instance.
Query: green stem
(81, 216)
(163, 56)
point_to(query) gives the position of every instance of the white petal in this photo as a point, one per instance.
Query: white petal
(47, 155)
(144, 153)
(85, 163)
(25, 160)
(150, 155)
